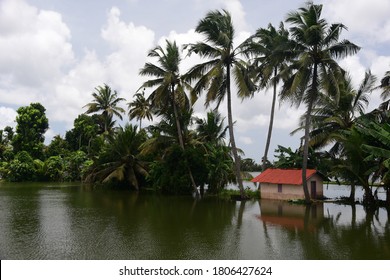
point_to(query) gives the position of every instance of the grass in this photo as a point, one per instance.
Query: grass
(229, 194)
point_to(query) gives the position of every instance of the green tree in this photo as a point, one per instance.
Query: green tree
(335, 114)
(106, 101)
(84, 133)
(249, 165)
(381, 113)
(57, 147)
(170, 163)
(220, 168)
(32, 124)
(214, 75)
(140, 108)
(120, 160)
(317, 46)
(75, 165)
(6, 136)
(211, 134)
(54, 168)
(385, 86)
(378, 148)
(287, 158)
(352, 163)
(21, 168)
(169, 93)
(211, 129)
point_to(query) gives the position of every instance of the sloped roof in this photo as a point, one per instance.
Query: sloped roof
(283, 176)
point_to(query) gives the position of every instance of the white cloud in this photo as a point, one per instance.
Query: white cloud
(7, 117)
(355, 67)
(49, 135)
(130, 45)
(119, 69)
(368, 20)
(37, 63)
(288, 118)
(245, 140)
(34, 44)
(75, 89)
(238, 14)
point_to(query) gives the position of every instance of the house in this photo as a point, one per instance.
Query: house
(286, 184)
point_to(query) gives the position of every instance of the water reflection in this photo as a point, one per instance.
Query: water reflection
(70, 222)
(291, 216)
(325, 231)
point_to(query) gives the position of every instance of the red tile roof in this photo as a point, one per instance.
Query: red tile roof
(283, 176)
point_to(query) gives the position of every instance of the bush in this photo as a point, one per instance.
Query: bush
(21, 168)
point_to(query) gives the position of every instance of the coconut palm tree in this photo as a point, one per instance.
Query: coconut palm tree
(317, 46)
(271, 50)
(105, 101)
(219, 163)
(120, 159)
(212, 128)
(140, 108)
(352, 163)
(214, 76)
(169, 87)
(382, 112)
(385, 85)
(335, 113)
(379, 151)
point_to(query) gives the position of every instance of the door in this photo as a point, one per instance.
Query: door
(313, 189)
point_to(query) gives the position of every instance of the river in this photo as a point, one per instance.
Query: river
(69, 221)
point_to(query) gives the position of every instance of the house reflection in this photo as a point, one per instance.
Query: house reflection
(291, 216)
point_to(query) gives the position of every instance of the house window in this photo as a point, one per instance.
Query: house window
(280, 188)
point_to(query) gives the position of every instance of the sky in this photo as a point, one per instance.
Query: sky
(56, 52)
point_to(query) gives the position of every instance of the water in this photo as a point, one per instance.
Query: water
(65, 221)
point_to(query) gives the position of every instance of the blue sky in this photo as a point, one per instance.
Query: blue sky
(56, 52)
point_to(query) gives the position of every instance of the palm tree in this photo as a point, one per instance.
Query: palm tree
(317, 46)
(106, 101)
(212, 128)
(140, 108)
(169, 93)
(336, 114)
(271, 49)
(382, 112)
(385, 85)
(218, 158)
(214, 75)
(352, 163)
(379, 151)
(120, 159)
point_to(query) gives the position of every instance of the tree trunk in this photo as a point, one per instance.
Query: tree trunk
(306, 152)
(270, 126)
(313, 91)
(352, 193)
(237, 164)
(387, 195)
(368, 197)
(353, 216)
(181, 142)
